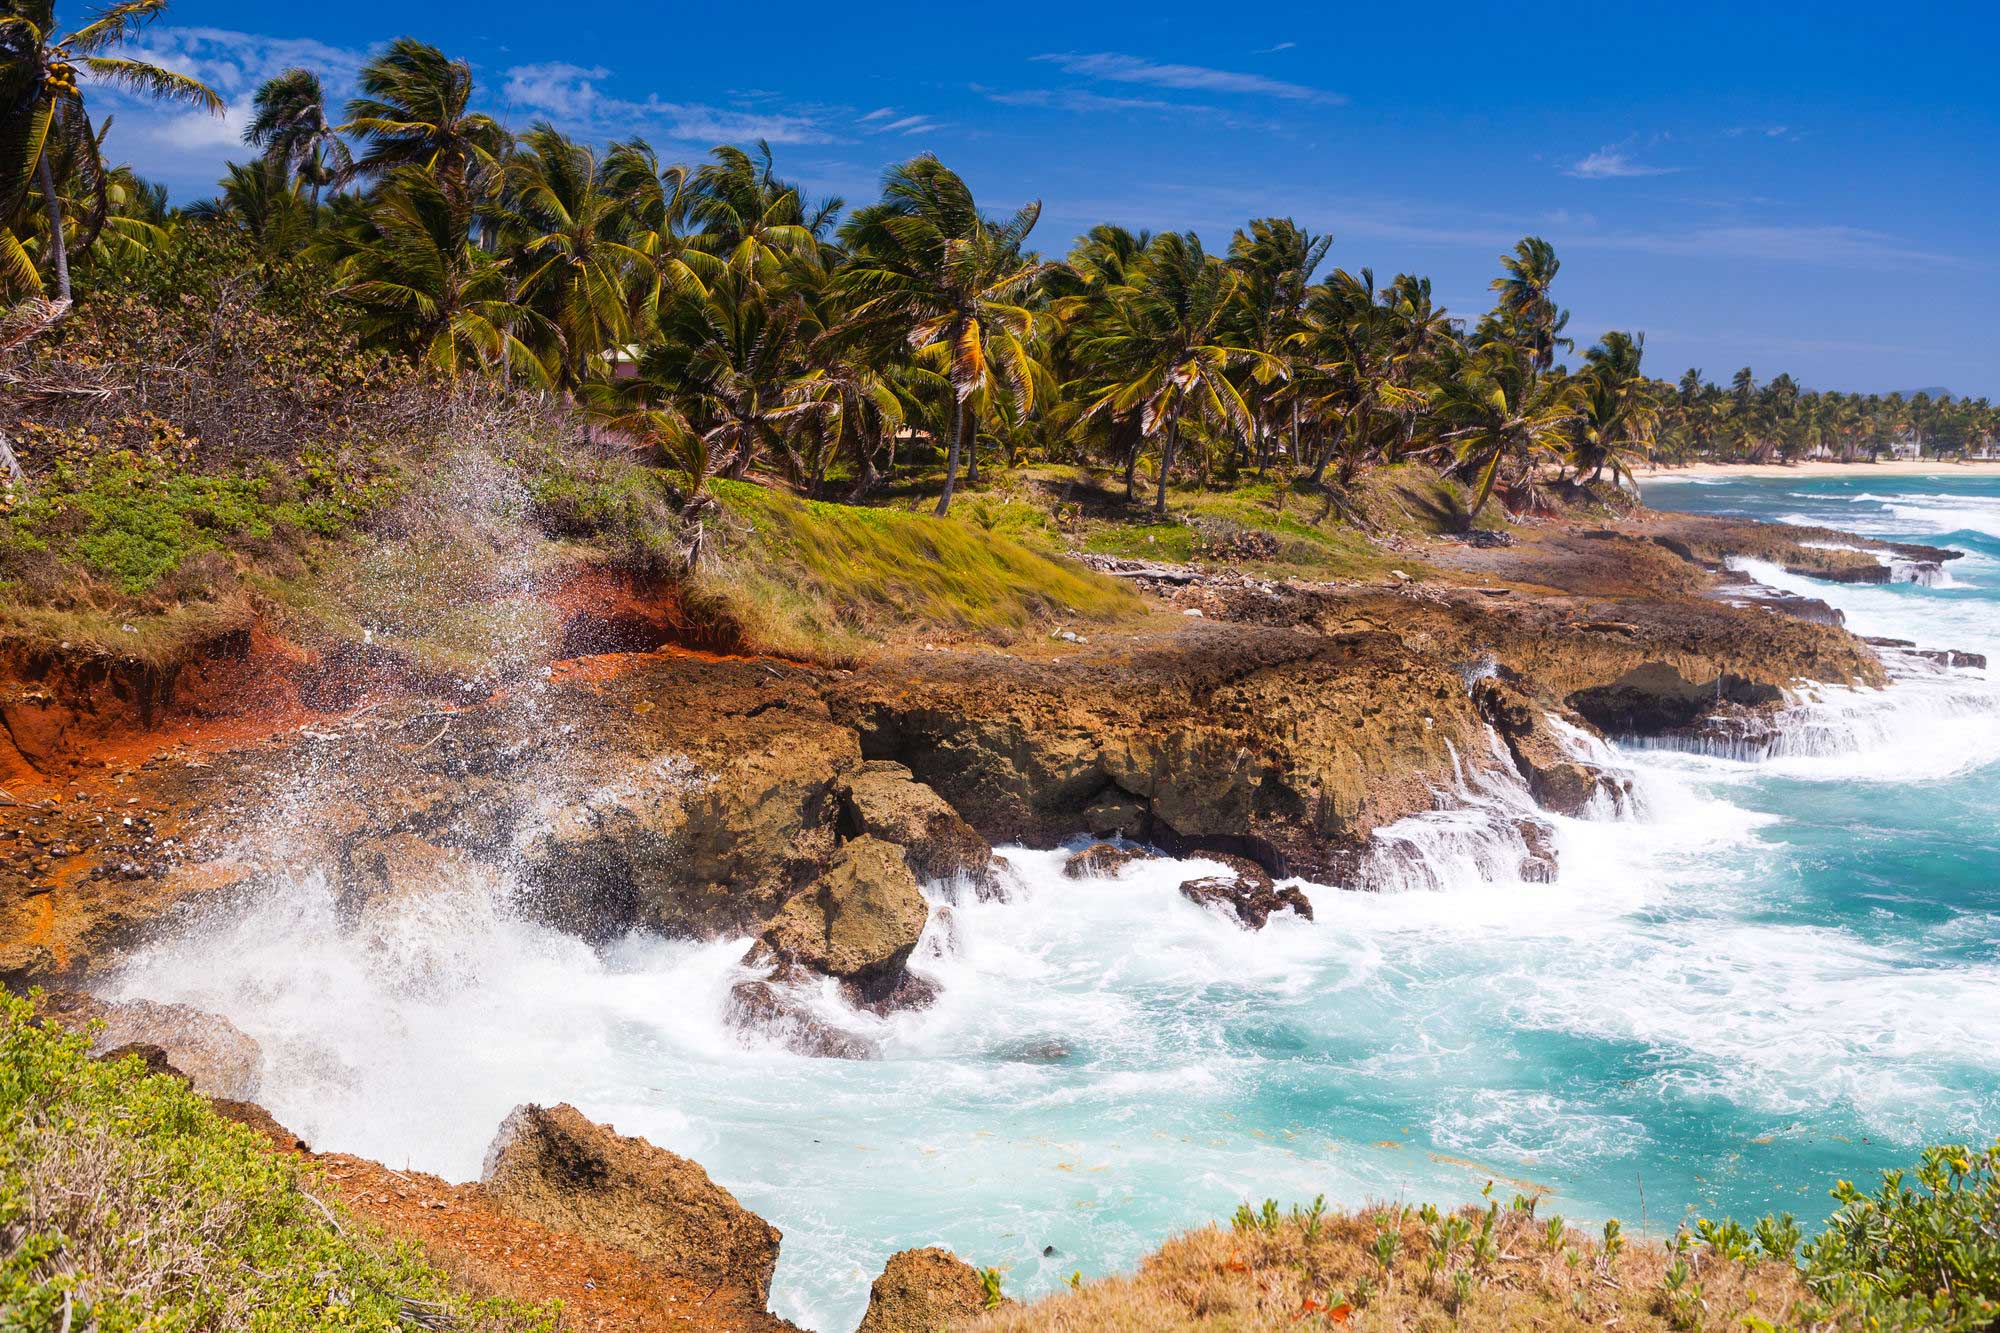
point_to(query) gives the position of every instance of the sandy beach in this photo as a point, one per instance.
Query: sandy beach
(1887, 468)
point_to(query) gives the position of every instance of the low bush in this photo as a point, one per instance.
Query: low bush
(127, 1203)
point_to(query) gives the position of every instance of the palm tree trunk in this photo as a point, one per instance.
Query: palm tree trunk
(58, 243)
(951, 456)
(1166, 463)
(972, 458)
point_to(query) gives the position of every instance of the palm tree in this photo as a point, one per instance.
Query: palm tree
(262, 199)
(1497, 411)
(926, 262)
(292, 128)
(1618, 411)
(42, 110)
(419, 284)
(568, 226)
(414, 111)
(729, 360)
(1526, 310)
(746, 217)
(1164, 348)
(1276, 259)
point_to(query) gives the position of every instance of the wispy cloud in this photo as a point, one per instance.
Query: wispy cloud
(888, 120)
(185, 148)
(1613, 164)
(571, 95)
(1084, 103)
(1117, 67)
(1273, 50)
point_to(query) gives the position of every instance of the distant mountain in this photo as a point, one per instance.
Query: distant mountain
(1935, 391)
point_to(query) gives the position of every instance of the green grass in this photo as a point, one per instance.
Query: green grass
(823, 580)
(127, 1203)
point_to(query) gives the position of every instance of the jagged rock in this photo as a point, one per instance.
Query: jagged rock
(1655, 699)
(921, 1291)
(253, 1116)
(154, 1058)
(1952, 657)
(211, 1052)
(1303, 742)
(1247, 892)
(552, 1166)
(884, 801)
(1557, 781)
(397, 865)
(1539, 866)
(1116, 813)
(1104, 860)
(859, 922)
(773, 1013)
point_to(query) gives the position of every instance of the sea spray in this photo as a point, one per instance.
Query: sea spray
(1755, 981)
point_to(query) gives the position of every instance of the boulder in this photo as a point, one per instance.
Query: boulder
(775, 1014)
(553, 1167)
(1538, 865)
(1104, 860)
(883, 801)
(1557, 780)
(922, 1291)
(211, 1052)
(859, 922)
(1247, 893)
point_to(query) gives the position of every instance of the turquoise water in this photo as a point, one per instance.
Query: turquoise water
(1776, 975)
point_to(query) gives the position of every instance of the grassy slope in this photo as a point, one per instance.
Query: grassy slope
(828, 580)
(127, 1203)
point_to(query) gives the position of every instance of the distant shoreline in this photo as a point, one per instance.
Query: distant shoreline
(1901, 467)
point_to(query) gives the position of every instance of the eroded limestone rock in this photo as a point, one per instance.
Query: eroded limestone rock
(921, 1291)
(552, 1166)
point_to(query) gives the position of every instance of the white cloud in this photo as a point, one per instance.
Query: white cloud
(1120, 68)
(1614, 164)
(569, 95)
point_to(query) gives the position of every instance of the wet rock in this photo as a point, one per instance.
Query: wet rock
(1951, 657)
(552, 1166)
(1558, 781)
(921, 1291)
(1655, 699)
(1116, 813)
(859, 922)
(1539, 866)
(1247, 893)
(776, 1014)
(1043, 1051)
(211, 1052)
(153, 1058)
(884, 801)
(1105, 860)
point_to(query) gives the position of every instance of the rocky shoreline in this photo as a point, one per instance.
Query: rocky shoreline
(1271, 726)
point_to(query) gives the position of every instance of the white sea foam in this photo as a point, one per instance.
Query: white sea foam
(1108, 1061)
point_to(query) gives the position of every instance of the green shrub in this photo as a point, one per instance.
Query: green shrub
(1922, 1256)
(127, 1203)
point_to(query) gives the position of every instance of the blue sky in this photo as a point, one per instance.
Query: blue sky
(1792, 188)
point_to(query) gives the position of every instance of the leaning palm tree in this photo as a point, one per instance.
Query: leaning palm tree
(577, 269)
(1526, 310)
(1618, 409)
(414, 111)
(745, 217)
(42, 113)
(292, 128)
(1165, 348)
(925, 261)
(1498, 414)
(420, 286)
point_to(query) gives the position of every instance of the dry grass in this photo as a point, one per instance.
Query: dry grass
(1306, 1276)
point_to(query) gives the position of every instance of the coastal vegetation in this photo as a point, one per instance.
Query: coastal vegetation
(718, 321)
(126, 1201)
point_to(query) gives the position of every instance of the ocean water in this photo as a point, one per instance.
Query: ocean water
(1768, 976)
